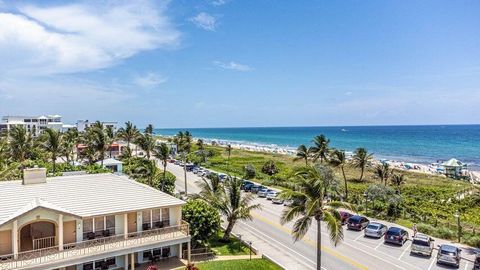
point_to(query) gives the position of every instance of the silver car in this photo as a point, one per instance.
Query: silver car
(262, 193)
(272, 194)
(422, 244)
(375, 229)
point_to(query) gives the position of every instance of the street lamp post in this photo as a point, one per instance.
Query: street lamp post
(239, 242)
(250, 247)
(365, 195)
(459, 232)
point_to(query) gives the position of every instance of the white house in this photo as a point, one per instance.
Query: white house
(86, 222)
(33, 124)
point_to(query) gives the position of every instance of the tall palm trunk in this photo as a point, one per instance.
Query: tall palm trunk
(185, 174)
(361, 174)
(319, 244)
(346, 184)
(228, 231)
(164, 174)
(54, 159)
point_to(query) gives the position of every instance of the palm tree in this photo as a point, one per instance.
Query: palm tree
(70, 139)
(320, 148)
(149, 129)
(200, 144)
(338, 159)
(129, 133)
(229, 151)
(398, 180)
(210, 187)
(233, 204)
(21, 143)
(148, 170)
(383, 172)
(309, 202)
(51, 142)
(146, 142)
(303, 153)
(162, 152)
(98, 142)
(361, 158)
(111, 138)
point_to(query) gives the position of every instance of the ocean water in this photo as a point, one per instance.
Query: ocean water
(422, 144)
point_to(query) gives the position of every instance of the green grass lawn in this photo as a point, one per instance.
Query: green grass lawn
(255, 264)
(233, 247)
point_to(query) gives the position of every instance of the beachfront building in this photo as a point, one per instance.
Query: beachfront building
(34, 124)
(82, 222)
(82, 125)
(112, 164)
(454, 168)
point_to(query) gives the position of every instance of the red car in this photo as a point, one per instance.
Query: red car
(344, 216)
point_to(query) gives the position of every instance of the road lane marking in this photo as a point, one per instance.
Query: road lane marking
(379, 244)
(466, 265)
(312, 243)
(404, 251)
(281, 244)
(431, 264)
(358, 237)
(386, 254)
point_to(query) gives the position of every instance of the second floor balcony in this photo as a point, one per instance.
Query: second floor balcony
(68, 254)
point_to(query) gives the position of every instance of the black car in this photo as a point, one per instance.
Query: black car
(449, 255)
(248, 187)
(244, 183)
(476, 264)
(357, 223)
(256, 188)
(396, 235)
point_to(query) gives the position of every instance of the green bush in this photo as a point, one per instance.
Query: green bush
(444, 233)
(473, 241)
(426, 228)
(203, 218)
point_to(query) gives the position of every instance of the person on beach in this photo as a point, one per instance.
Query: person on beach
(414, 228)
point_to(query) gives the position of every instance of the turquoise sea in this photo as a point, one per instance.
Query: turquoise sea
(422, 144)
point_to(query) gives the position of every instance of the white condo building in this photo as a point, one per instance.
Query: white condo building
(33, 124)
(85, 222)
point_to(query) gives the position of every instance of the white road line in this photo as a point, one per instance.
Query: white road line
(431, 264)
(358, 237)
(386, 254)
(281, 244)
(466, 265)
(404, 251)
(379, 244)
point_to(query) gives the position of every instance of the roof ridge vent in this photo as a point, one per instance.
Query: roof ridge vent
(34, 176)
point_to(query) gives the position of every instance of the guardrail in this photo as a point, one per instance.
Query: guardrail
(97, 246)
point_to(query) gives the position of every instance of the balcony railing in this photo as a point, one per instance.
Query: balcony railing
(53, 255)
(45, 242)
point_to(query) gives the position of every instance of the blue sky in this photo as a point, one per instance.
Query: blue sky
(221, 63)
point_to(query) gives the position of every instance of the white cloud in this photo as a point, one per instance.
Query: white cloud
(232, 66)
(80, 37)
(150, 80)
(205, 21)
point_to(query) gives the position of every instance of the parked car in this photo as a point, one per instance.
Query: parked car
(278, 200)
(476, 264)
(422, 244)
(171, 160)
(248, 187)
(288, 202)
(449, 255)
(271, 195)
(344, 216)
(262, 193)
(395, 235)
(375, 229)
(177, 162)
(244, 183)
(196, 170)
(357, 222)
(256, 188)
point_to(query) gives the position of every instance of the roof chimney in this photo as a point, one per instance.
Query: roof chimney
(34, 176)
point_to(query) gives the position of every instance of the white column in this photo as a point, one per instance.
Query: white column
(60, 232)
(15, 239)
(126, 261)
(188, 251)
(133, 261)
(125, 225)
(151, 218)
